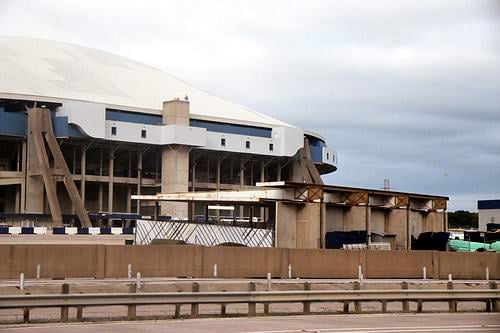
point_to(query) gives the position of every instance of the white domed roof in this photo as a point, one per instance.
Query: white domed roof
(40, 68)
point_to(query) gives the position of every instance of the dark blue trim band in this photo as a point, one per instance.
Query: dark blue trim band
(488, 204)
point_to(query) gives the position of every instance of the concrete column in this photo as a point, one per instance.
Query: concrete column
(23, 183)
(129, 201)
(445, 221)
(83, 172)
(17, 205)
(111, 180)
(217, 180)
(263, 171)
(18, 160)
(34, 181)
(100, 198)
(139, 180)
(157, 162)
(175, 164)
(129, 187)
(322, 235)
(193, 188)
(175, 160)
(407, 229)
(368, 216)
(263, 179)
(217, 185)
(278, 176)
(251, 176)
(387, 219)
(242, 185)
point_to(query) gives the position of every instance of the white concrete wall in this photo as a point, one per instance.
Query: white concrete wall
(488, 216)
(90, 117)
(329, 156)
(291, 139)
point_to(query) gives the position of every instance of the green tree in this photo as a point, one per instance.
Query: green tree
(462, 219)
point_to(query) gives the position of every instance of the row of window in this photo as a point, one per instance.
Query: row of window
(114, 131)
(247, 144)
(222, 140)
(328, 157)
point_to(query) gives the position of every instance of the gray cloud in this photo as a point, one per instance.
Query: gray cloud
(406, 90)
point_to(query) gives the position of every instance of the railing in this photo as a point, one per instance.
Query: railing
(490, 296)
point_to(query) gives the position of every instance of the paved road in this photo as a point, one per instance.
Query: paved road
(369, 323)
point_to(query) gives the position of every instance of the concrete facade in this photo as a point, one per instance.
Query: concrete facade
(489, 212)
(304, 213)
(175, 160)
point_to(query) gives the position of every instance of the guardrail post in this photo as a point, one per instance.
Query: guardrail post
(26, 315)
(195, 306)
(384, 306)
(357, 304)
(419, 306)
(487, 273)
(492, 305)
(266, 305)
(424, 273)
(289, 271)
(452, 305)
(307, 305)
(64, 309)
(215, 271)
(223, 309)
(38, 272)
(346, 307)
(79, 313)
(177, 313)
(251, 305)
(406, 304)
(266, 308)
(131, 309)
(129, 271)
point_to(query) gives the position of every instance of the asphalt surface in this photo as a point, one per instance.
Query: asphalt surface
(368, 323)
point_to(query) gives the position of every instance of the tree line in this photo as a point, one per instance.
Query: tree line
(463, 219)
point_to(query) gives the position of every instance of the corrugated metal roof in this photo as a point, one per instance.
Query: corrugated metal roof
(41, 68)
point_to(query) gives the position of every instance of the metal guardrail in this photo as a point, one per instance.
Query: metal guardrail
(104, 299)
(306, 297)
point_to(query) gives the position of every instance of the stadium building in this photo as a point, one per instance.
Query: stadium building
(126, 128)
(83, 130)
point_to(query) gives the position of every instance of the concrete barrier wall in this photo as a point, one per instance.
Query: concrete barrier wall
(324, 263)
(241, 262)
(111, 261)
(56, 261)
(469, 265)
(153, 261)
(398, 264)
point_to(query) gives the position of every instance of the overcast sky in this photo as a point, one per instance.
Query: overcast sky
(404, 90)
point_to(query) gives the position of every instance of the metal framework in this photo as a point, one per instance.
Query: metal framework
(203, 233)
